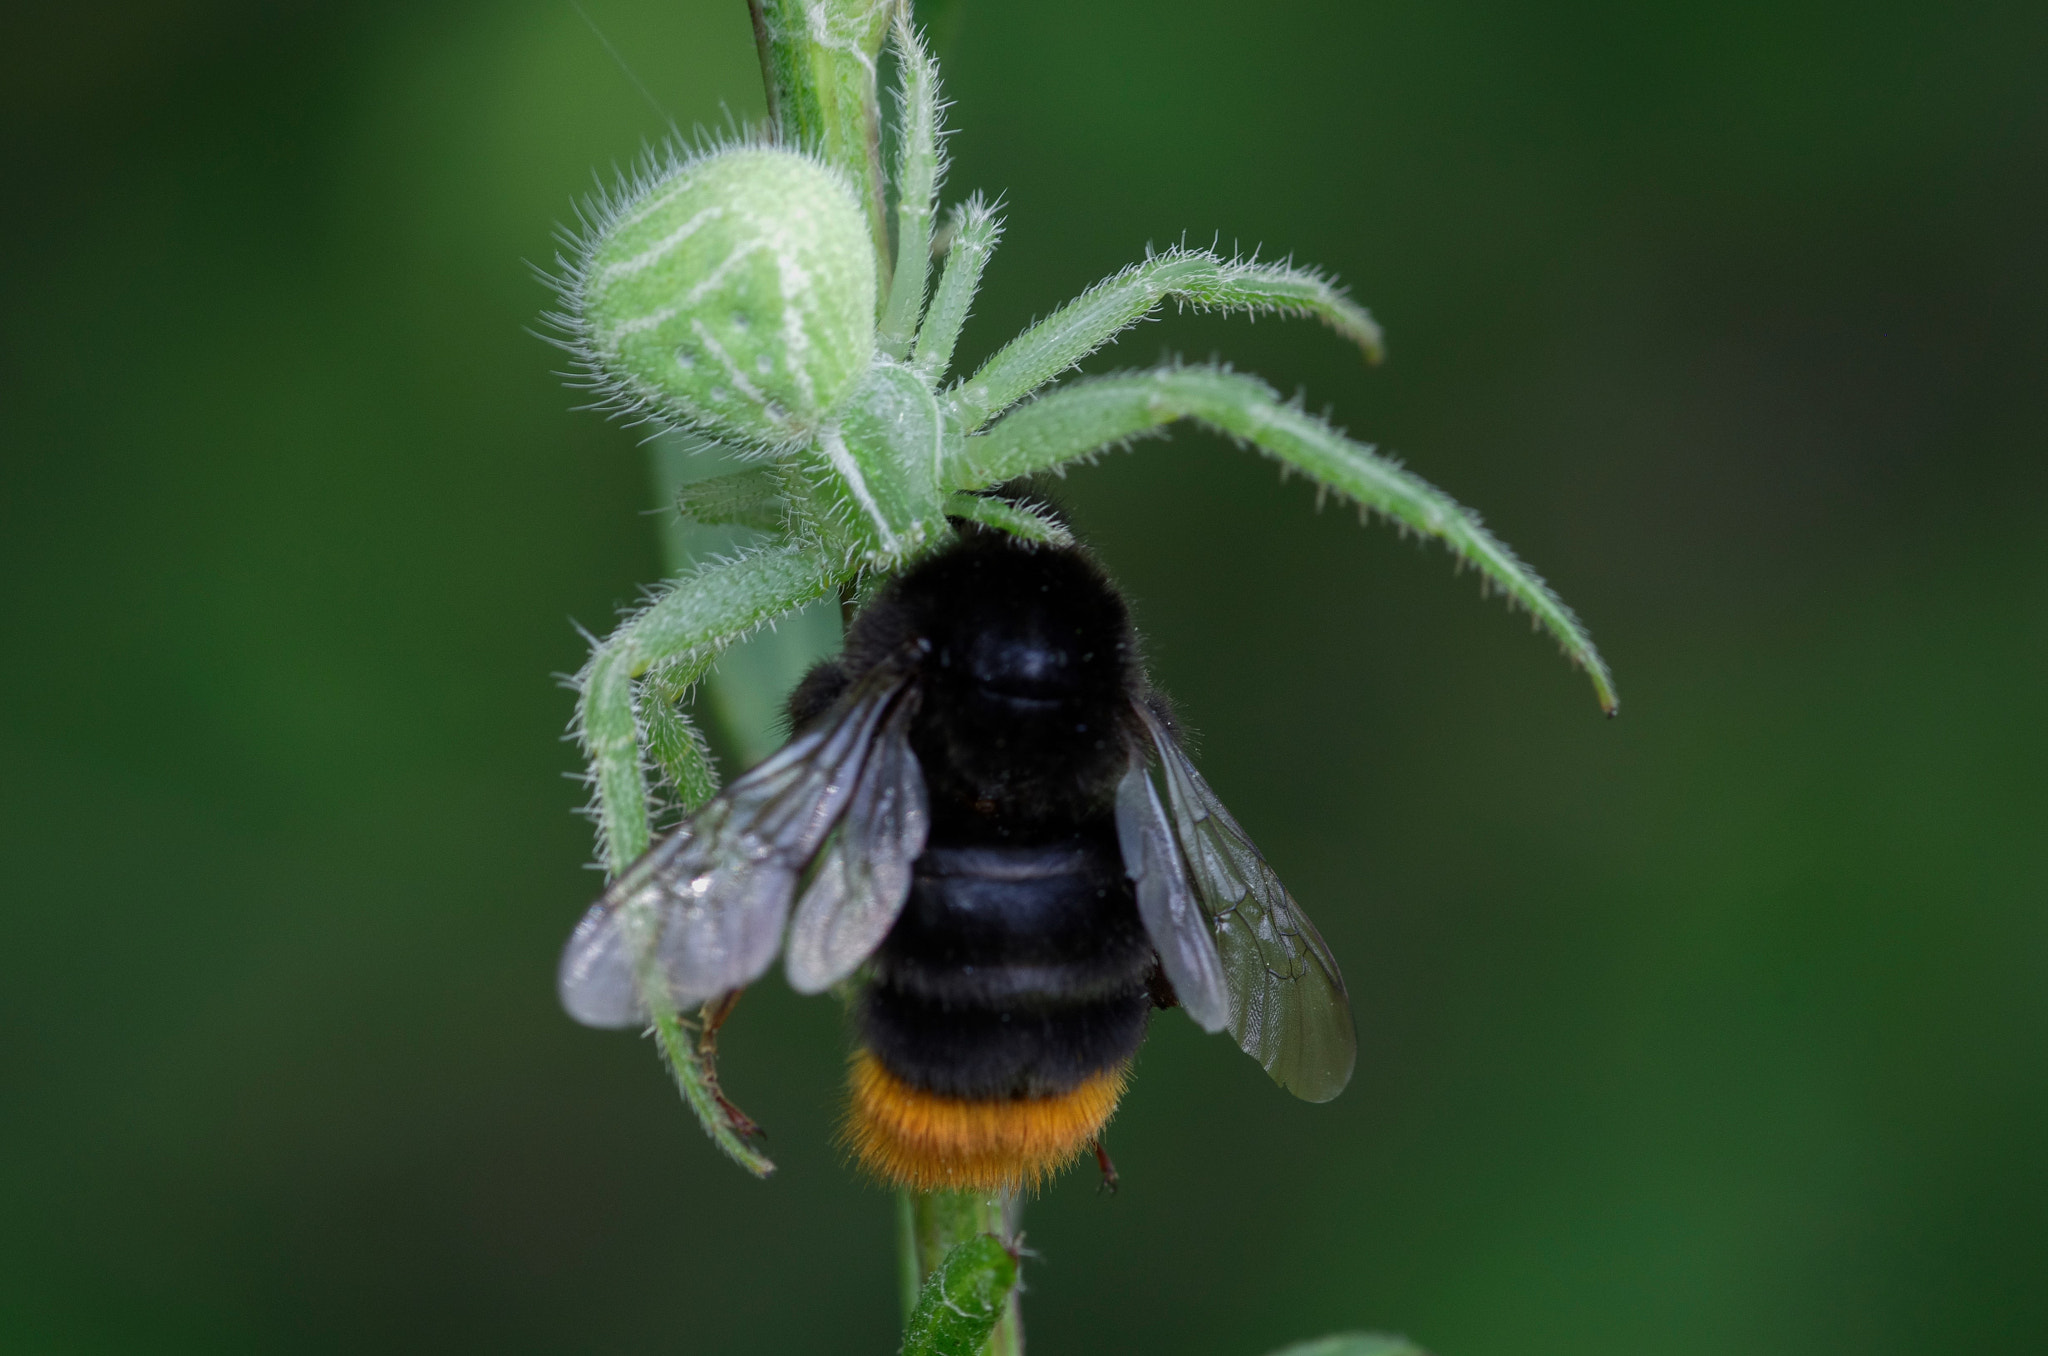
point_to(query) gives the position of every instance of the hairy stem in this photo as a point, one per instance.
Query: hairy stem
(1019, 520)
(1198, 278)
(818, 59)
(674, 744)
(694, 1080)
(976, 229)
(919, 167)
(697, 617)
(629, 711)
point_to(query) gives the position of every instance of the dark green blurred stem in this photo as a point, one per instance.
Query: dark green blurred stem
(818, 59)
(933, 1223)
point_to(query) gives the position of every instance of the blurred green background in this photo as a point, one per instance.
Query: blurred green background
(1719, 1028)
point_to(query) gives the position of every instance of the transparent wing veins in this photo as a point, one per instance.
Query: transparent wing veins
(1166, 902)
(701, 913)
(864, 876)
(1288, 1006)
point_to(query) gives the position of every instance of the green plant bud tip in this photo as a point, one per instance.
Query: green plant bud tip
(736, 294)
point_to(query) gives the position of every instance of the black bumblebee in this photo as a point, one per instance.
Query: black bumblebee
(965, 810)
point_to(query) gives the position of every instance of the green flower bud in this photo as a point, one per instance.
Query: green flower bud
(736, 295)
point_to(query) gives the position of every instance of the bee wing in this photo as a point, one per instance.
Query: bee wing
(1288, 1008)
(864, 876)
(705, 906)
(1166, 903)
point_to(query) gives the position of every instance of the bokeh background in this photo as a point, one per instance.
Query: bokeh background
(1718, 1028)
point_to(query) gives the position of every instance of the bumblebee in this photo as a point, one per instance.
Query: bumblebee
(967, 828)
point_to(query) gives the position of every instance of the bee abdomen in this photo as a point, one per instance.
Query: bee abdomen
(929, 1142)
(1002, 1052)
(1012, 972)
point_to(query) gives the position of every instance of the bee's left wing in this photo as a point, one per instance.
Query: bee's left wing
(1288, 1008)
(705, 906)
(863, 877)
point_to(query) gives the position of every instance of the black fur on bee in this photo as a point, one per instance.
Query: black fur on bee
(1019, 967)
(966, 824)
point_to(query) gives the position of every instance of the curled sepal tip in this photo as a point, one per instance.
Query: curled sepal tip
(734, 293)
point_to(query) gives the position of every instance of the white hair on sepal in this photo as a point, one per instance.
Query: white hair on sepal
(766, 382)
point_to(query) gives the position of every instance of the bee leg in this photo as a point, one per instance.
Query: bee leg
(714, 1014)
(1161, 990)
(713, 1017)
(743, 1125)
(1108, 1169)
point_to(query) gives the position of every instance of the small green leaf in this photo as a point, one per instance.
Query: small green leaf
(958, 1307)
(1353, 1344)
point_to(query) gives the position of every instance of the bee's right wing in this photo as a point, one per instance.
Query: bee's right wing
(1166, 903)
(1286, 1001)
(701, 912)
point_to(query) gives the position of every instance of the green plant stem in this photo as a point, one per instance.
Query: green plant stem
(818, 61)
(932, 1224)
